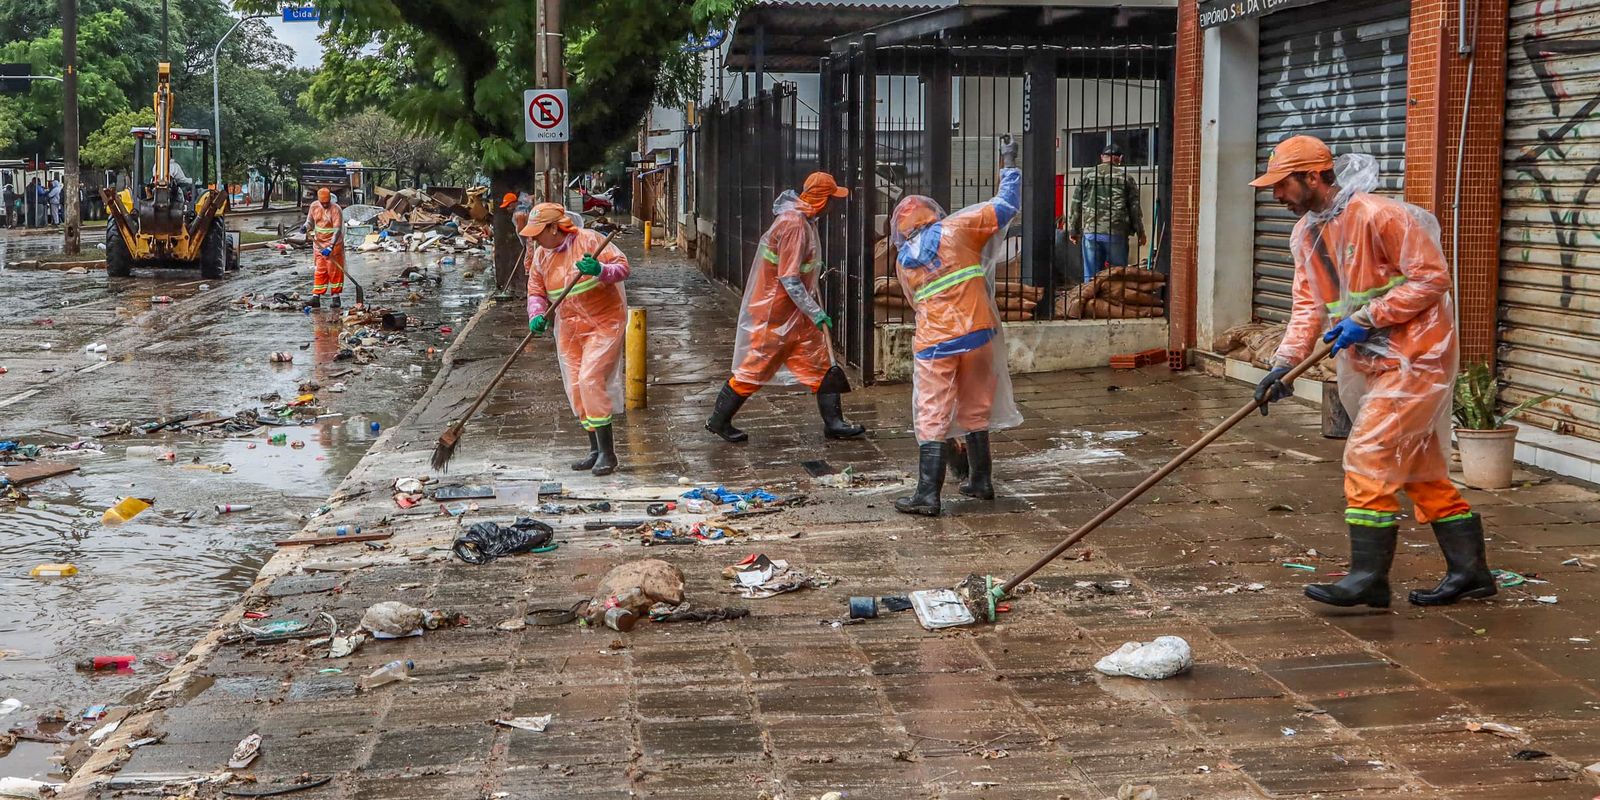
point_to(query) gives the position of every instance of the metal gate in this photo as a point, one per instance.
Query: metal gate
(1549, 306)
(750, 152)
(1336, 71)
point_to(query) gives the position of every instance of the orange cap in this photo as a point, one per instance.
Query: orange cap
(1295, 154)
(820, 186)
(509, 200)
(545, 214)
(323, 194)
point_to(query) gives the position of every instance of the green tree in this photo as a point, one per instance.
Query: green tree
(378, 140)
(111, 146)
(457, 70)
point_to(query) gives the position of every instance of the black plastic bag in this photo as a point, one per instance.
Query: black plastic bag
(486, 541)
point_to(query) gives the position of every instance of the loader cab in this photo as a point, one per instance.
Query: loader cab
(191, 157)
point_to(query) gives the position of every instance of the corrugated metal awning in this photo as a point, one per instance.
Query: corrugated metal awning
(792, 35)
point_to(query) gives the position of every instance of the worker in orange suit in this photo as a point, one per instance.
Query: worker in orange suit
(960, 381)
(325, 226)
(783, 331)
(590, 323)
(1370, 273)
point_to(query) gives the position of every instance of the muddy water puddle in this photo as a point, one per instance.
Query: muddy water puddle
(151, 587)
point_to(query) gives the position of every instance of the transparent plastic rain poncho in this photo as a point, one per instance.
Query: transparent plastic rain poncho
(1379, 260)
(946, 266)
(590, 326)
(778, 340)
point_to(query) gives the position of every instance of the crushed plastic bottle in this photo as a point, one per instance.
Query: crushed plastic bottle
(99, 663)
(396, 670)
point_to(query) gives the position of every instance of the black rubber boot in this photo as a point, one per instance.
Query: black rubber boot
(721, 420)
(1468, 573)
(834, 425)
(316, 301)
(594, 455)
(930, 479)
(337, 302)
(1371, 553)
(980, 466)
(606, 463)
(955, 459)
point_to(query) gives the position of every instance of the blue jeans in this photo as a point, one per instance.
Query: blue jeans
(1100, 249)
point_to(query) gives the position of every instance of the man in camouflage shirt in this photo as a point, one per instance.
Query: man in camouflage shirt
(1109, 198)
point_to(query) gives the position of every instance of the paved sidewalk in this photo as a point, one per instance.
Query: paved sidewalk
(1287, 698)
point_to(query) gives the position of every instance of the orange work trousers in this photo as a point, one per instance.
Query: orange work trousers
(804, 352)
(590, 348)
(328, 277)
(955, 389)
(1376, 502)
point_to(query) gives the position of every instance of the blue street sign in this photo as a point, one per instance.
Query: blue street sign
(301, 14)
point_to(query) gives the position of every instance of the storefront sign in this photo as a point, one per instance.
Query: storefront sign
(1222, 12)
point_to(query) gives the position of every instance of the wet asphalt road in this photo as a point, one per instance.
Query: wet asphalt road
(151, 587)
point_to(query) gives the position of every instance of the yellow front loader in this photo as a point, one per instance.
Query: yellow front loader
(165, 218)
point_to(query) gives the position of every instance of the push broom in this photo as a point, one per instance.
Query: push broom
(445, 448)
(980, 593)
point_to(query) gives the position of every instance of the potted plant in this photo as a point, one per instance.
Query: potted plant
(1487, 443)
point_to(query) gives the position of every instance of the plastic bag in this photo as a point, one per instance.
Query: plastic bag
(487, 541)
(1163, 658)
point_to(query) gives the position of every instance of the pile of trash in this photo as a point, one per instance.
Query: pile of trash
(708, 500)
(659, 532)
(1257, 342)
(758, 577)
(276, 301)
(1116, 293)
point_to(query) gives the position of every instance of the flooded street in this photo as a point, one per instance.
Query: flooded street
(150, 587)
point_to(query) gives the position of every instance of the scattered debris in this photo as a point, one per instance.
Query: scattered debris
(758, 577)
(393, 619)
(1547, 599)
(1498, 729)
(246, 752)
(532, 724)
(397, 670)
(1162, 658)
(635, 587)
(941, 608)
(487, 541)
(1529, 755)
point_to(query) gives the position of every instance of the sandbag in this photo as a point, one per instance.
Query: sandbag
(1099, 308)
(1126, 294)
(1130, 275)
(637, 586)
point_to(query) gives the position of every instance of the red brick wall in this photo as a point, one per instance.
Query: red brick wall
(1437, 80)
(1185, 176)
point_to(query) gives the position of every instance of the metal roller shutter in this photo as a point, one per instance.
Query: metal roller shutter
(1337, 71)
(1550, 254)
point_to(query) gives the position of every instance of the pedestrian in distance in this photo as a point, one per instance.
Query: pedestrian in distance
(591, 322)
(1370, 277)
(960, 383)
(12, 205)
(1104, 212)
(325, 226)
(55, 202)
(783, 330)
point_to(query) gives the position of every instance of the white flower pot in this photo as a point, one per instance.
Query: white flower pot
(1487, 456)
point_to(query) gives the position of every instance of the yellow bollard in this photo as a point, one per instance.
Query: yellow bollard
(636, 357)
(647, 236)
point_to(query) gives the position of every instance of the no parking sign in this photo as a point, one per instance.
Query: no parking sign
(544, 115)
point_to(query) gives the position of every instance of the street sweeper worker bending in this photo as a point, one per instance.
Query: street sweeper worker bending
(1370, 277)
(960, 383)
(325, 226)
(783, 336)
(590, 323)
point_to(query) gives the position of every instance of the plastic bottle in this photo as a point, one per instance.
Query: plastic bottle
(697, 506)
(233, 508)
(53, 571)
(107, 662)
(396, 670)
(127, 508)
(161, 298)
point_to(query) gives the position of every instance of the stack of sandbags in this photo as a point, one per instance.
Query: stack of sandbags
(1015, 300)
(1116, 293)
(1257, 343)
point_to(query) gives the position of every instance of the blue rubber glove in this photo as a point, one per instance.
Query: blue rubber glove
(824, 321)
(589, 265)
(1272, 388)
(327, 251)
(538, 324)
(1346, 333)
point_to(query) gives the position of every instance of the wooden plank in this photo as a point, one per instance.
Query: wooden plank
(34, 471)
(322, 540)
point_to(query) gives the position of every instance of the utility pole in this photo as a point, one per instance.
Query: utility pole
(550, 160)
(69, 192)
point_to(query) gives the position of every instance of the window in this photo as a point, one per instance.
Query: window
(1135, 144)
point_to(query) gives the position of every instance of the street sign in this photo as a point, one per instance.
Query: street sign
(544, 115)
(14, 85)
(301, 14)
